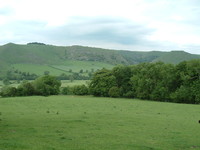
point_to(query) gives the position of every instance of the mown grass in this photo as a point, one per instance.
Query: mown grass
(89, 123)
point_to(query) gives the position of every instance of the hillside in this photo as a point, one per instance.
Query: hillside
(177, 56)
(39, 57)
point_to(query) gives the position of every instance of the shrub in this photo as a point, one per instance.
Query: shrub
(80, 90)
(67, 91)
(25, 89)
(114, 92)
(7, 91)
(47, 85)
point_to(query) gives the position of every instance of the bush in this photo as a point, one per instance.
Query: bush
(129, 94)
(47, 85)
(114, 92)
(183, 95)
(7, 91)
(101, 82)
(67, 91)
(80, 90)
(25, 89)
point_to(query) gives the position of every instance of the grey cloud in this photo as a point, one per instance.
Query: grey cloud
(106, 32)
(114, 30)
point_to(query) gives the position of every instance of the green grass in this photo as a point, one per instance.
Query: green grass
(76, 66)
(38, 69)
(89, 123)
(57, 70)
(66, 83)
(176, 57)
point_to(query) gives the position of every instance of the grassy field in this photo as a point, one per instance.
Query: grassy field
(89, 123)
(66, 83)
(57, 70)
(38, 69)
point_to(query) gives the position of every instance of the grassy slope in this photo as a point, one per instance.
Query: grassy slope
(57, 55)
(37, 69)
(88, 123)
(36, 54)
(76, 66)
(35, 58)
(177, 56)
(134, 57)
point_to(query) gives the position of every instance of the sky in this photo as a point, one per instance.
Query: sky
(137, 25)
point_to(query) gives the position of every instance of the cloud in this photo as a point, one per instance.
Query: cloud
(127, 24)
(101, 29)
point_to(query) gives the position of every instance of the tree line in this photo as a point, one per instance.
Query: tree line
(151, 81)
(45, 85)
(19, 75)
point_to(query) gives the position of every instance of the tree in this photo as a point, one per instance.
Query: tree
(123, 75)
(80, 90)
(6, 81)
(71, 78)
(114, 92)
(46, 72)
(25, 89)
(47, 85)
(101, 83)
(8, 91)
(66, 91)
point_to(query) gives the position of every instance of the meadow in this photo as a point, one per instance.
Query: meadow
(57, 70)
(66, 83)
(91, 123)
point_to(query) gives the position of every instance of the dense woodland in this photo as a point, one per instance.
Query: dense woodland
(150, 81)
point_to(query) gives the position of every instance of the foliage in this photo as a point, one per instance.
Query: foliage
(45, 85)
(101, 83)
(114, 92)
(123, 75)
(25, 89)
(153, 81)
(66, 91)
(36, 58)
(80, 90)
(8, 91)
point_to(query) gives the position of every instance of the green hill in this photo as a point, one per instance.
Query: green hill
(38, 57)
(177, 56)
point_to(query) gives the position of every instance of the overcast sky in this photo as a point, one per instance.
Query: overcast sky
(115, 24)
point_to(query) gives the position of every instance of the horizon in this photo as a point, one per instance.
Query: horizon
(48, 44)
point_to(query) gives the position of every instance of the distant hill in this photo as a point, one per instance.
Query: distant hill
(63, 58)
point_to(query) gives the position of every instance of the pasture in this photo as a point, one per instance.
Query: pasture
(91, 123)
(57, 70)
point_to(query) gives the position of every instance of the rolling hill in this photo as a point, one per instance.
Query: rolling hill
(38, 57)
